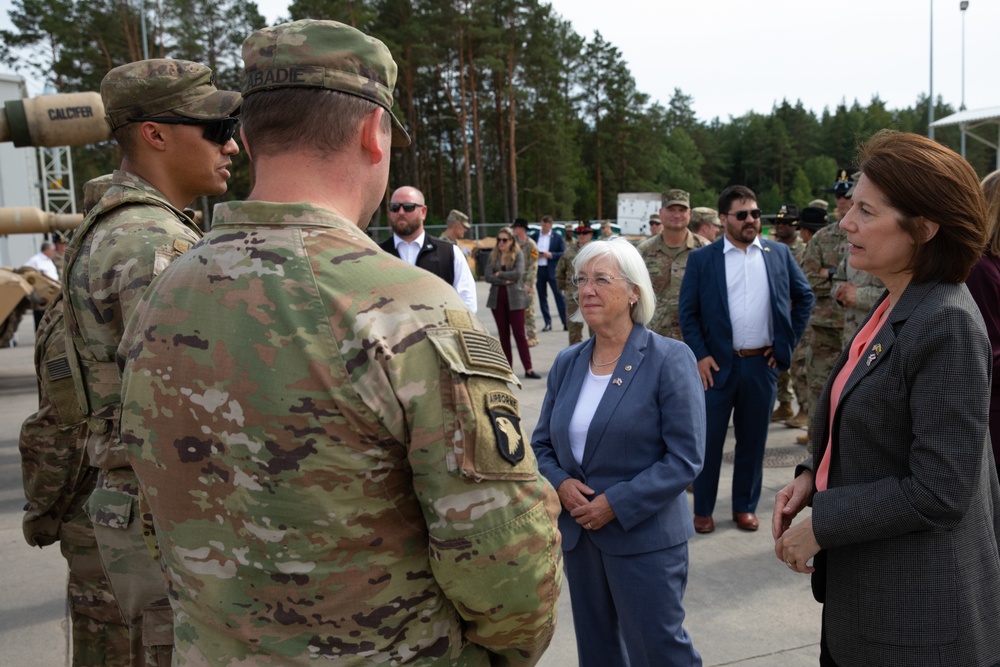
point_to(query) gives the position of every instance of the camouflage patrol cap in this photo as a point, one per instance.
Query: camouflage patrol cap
(702, 215)
(813, 218)
(93, 190)
(454, 215)
(678, 197)
(655, 218)
(322, 54)
(820, 203)
(153, 87)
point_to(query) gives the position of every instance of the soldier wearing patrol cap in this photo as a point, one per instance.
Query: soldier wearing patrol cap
(530, 252)
(175, 130)
(564, 280)
(819, 203)
(655, 225)
(456, 225)
(350, 479)
(666, 256)
(705, 222)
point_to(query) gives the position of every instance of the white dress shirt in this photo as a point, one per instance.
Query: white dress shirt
(749, 296)
(543, 243)
(44, 264)
(464, 283)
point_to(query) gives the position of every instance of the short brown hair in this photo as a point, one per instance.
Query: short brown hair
(303, 119)
(546, 218)
(991, 190)
(734, 193)
(920, 178)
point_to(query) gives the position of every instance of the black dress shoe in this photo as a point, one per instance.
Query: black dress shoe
(565, 327)
(547, 327)
(532, 375)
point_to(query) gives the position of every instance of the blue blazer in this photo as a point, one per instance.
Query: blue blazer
(646, 441)
(703, 310)
(557, 247)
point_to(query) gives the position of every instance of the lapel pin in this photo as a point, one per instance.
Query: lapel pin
(617, 382)
(629, 367)
(766, 249)
(876, 350)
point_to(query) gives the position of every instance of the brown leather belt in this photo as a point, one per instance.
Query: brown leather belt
(755, 352)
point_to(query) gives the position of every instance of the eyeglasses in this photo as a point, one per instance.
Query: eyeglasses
(218, 131)
(600, 281)
(742, 215)
(408, 207)
(503, 240)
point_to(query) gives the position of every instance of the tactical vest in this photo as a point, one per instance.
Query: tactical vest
(436, 256)
(98, 382)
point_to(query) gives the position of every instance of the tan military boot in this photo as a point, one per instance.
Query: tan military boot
(783, 412)
(800, 420)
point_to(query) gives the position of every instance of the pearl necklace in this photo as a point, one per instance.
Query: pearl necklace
(606, 363)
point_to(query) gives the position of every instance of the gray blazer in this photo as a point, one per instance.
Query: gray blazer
(516, 296)
(910, 520)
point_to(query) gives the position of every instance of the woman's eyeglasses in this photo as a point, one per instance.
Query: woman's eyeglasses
(408, 207)
(600, 280)
(742, 215)
(502, 240)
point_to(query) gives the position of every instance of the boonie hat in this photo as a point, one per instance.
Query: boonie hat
(701, 215)
(679, 197)
(322, 54)
(153, 87)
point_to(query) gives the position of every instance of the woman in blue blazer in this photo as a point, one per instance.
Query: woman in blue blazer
(902, 537)
(620, 436)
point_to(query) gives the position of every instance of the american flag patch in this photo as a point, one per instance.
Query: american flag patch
(58, 368)
(484, 351)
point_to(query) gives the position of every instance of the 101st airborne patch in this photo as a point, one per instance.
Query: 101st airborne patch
(502, 408)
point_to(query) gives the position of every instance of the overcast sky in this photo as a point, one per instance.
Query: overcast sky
(733, 56)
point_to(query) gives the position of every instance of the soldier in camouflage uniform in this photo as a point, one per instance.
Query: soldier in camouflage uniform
(564, 280)
(666, 256)
(705, 223)
(530, 251)
(349, 479)
(127, 239)
(792, 383)
(57, 481)
(823, 253)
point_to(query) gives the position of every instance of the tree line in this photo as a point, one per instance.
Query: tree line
(512, 113)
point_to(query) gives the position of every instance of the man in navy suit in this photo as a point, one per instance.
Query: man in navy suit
(550, 248)
(744, 304)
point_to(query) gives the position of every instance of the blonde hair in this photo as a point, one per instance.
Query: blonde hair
(507, 257)
(991, 188)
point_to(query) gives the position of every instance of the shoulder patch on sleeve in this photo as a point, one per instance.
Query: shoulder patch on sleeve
(504, 415)
(459, 319)
(181, 246)
(469, 352)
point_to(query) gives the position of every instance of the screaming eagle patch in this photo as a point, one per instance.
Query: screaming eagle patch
(502, 409)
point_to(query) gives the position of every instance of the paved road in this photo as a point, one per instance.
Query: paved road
(744, 607)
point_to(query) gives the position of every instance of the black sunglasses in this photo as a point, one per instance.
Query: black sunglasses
(408, 207)
(742, 215)
(218, 131)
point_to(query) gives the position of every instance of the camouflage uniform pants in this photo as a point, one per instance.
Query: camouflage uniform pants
(529, 315)
(100, 638)
(822, 357)
(134, 575)
(575, 328)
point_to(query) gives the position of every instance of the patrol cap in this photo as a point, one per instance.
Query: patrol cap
(813, 218)
(583, 228)
(701, 215)
(322, 54)
(520, 222)
(153, 87)
(655, 218)
(454, 215)
(94, 189)
(820, 203)
(678, 197)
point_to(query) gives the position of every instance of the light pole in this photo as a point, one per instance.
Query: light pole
(963, 5)
(930, 98)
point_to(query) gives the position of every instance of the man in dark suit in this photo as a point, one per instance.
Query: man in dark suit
(550, 248)
(742, 336)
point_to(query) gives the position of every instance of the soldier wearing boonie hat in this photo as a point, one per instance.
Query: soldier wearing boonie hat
(355, 405)
(175, 130)
(456, 225)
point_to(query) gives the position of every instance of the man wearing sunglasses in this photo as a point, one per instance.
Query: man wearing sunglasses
(175, 131)
(744, 304)
(410, 243)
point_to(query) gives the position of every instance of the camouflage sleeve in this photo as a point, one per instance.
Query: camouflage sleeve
(530, 252)
(814, 269)
(564, 272)
(839, 278)
(493, 540)
(867, 295)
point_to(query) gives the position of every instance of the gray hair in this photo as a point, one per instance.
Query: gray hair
(630, 265)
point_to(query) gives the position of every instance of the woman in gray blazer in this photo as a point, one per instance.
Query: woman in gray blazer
(902, 483)
(508, 298)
